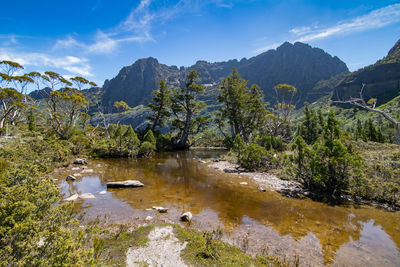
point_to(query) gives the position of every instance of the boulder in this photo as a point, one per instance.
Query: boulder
(187, 216)
(86, 196)
(70, 178)
(127, 183)
(80, 161)
(72, 197)
(160, 209)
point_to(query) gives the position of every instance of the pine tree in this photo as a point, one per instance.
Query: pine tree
(159, 106)
(131, 139)
(186, 107)
(310, 127)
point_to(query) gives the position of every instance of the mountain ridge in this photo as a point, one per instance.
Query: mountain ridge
(298, 64)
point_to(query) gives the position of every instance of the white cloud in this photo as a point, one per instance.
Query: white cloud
(74, 65)
(376, 19)
(137, 26)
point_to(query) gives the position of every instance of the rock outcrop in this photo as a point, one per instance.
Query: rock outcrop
(382, 80)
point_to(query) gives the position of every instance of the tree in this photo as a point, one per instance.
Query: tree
(185, 108)
(149, 137)
(371, 106)
(64, 102)
(243, 108)
(309, 129)
(10, 96)
(278, 121)
(31, 121)
(159, 106)
(121, 106)
(131, 140)
(11, 101)
(329, 166)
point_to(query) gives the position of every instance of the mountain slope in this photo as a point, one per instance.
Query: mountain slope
(297, 64)
(382, 80)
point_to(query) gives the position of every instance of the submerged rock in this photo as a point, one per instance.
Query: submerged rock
(243, 183)
(103, 192)
(70, 178)
(127, 183)
(262, 189)
(87, 196)
(80, 161)
(72, 197)
(187, 216)
(160, 209)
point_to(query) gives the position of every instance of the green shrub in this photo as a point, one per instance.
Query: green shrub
(149, 137)
(146, 149)
(253, 157)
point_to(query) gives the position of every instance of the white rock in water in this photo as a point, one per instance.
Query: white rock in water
(103, 192)
(80, 161)
(72, 197)
(75, 168)
(243, 183)
(148, 209)
(187, 216)
(261, 189)
(160, 209)
(128, 183)
(70, 178)
(87, 171)
(149, 218)
(77, 174)
(87, 196)
(201, 161)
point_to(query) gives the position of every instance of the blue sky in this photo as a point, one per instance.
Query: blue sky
(95, 38)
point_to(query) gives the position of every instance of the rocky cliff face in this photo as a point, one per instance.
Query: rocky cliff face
(297, 64)
(382, 80)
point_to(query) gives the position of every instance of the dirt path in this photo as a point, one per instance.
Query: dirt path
(163, 249)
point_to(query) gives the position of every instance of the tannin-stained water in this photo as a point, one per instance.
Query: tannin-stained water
(316, 232)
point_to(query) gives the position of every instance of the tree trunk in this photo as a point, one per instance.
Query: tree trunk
(182, 144)
(398, 133)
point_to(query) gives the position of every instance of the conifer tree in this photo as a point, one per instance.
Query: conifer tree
(159, 106)
(186, 107)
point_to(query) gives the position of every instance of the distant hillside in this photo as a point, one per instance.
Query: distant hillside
(297, 64)
(382, 80)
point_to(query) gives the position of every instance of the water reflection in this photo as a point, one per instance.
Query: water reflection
(317, 232)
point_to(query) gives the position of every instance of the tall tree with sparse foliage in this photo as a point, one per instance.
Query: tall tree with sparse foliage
(185, 108)
(159, 107)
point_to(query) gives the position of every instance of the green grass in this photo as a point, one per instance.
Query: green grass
(116, 244)
(202, 250)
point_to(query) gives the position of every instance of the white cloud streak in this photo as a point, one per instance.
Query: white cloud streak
(137, 26)
(74, 65)
(376, 19)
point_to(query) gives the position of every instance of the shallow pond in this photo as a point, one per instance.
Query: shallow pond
(261, 222)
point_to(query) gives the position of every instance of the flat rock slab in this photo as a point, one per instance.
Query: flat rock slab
(86, 196)
(72, 197)
(163, 249)
(127, 183)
